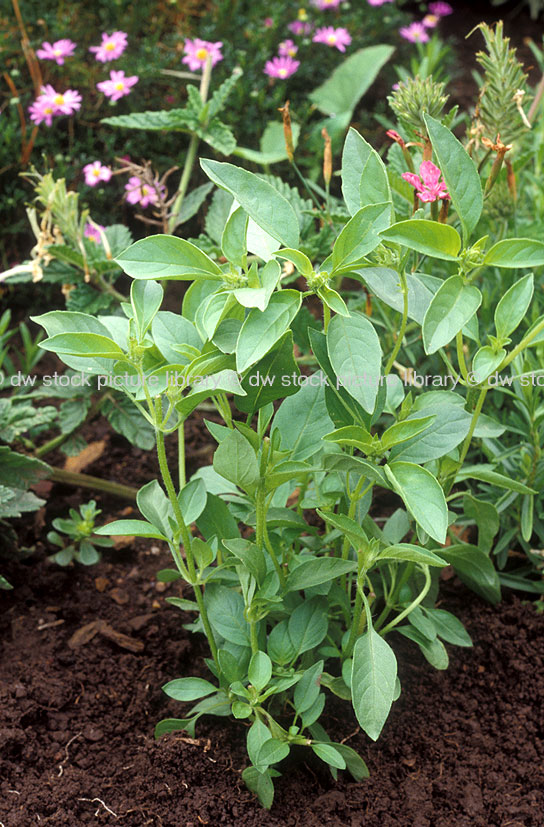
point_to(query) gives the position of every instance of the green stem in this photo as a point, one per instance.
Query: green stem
(86, 481)
(191, 153)
(403, 325)
(461, 355)
(181, 454)
(253, 636)
(525, 342)
(468, 439)
(185, 535)
(421, 596)
(326, 317)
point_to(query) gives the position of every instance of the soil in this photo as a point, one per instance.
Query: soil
(462, 747)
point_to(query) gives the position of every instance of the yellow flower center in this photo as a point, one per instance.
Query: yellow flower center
(282, 72)
(109, 47)
(96, 173)
(48, 110)
(331, 39)
(59, 100)
(291, 52)
(120, 86)
(202, 53)
(144, 190)
(302, 14)
(57, 52)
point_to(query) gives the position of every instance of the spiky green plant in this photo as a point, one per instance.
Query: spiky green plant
(415, 96)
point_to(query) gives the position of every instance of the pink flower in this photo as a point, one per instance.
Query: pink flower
(42, 110)
(298, 27)
(333, 37)
(281, 67)
(92, 233)
(430, 21)
(429, 187)
(118, 85)
(415, 33)
(51, 103)
(197, 52)
(326, 4)
(139, 193)
(287, 49)
(268, 22)
(95, 172)
(440, 9)
(112, 46)
(378, 2)
(56, 51)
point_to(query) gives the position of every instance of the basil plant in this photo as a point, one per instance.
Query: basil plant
(297, 581)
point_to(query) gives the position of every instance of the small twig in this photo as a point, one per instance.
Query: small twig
(62, 763)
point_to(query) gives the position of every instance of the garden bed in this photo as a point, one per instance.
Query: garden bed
(461, 747)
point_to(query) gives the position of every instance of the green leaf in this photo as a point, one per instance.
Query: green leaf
(189, 206)
(309, 410)
(271, 378)
(188, 689)
(333, 300)
(251, 556)
(450, 427)
(19, 471)
(167, 257)
(422, 496)
(260, 671)
(146, 299)
(347, 526)
(226, 613)
(308, 688)
(486, 517)
(262, 329)
(434, 651)
(307, 626)
(235, 460)
(155, 506)
(475, 569)
(272, 145)
(363, 173)
(299, 259)
(360, 235)
(272, 752)
(485, 473)
(428, 237)
(330, 755)
(403, 431)
(459, 172)
(320, 570)
(385, 284)
(354, 763)
(513, 306)
(180, 120)
(83, 344)
(516, 252)
(264, 204)
(355, 354)
(192, 500)
(454, 304)
(405, 552)
(342, 91)
(373, 675)
(261, 784)
(485, 362)
(234, 238)
(169, 329)
(448, 627)
(136, 528)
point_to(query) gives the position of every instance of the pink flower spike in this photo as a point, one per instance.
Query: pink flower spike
(428, 187)
(139, 193)
(95, 172)
(415, 33)
(430, 21)
(298, 27)
(281, 67)
(197, 52)
(287, 48)
(92, 232)
(118, 85)
(112, 46)
(340, 38)
(378, 2)
(326, 4)
(56, 51)
(440, 9)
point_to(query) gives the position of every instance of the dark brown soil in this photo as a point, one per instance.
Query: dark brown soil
(462, 748)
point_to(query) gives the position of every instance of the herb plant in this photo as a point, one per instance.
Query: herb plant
(297, 583)
(79, 541)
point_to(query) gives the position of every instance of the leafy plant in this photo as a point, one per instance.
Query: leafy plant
(81, 540)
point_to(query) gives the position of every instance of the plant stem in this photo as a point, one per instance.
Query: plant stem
(86, 481)
(461, 355)
(404, 323)
(468, 439)
(181, 454)
(191, 152)
(185, 535)
(326, 317)
(412, 605)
